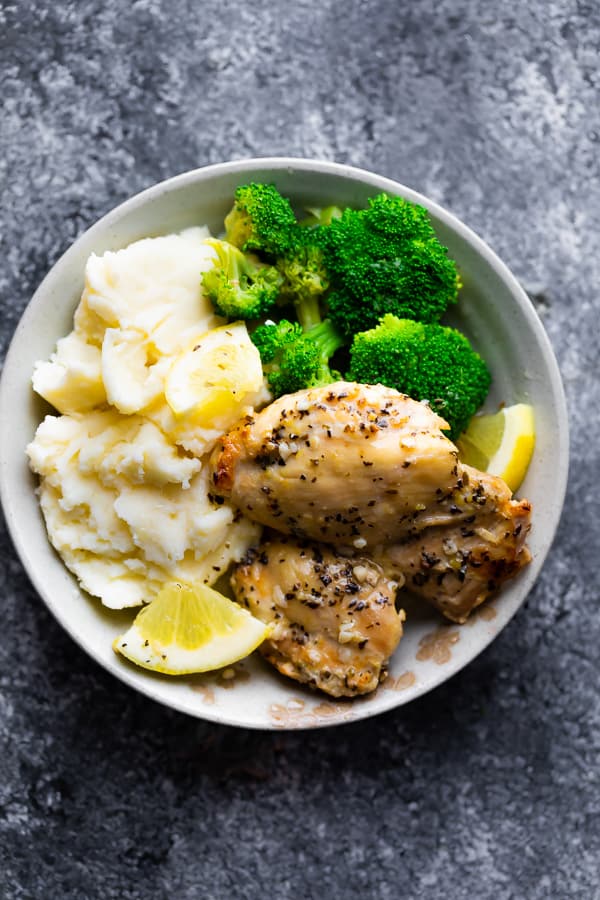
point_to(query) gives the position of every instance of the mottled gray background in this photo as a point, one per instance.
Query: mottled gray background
(487, 788)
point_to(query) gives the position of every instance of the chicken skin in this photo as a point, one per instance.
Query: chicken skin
(465, 547)
(336, 623)
(347, 464)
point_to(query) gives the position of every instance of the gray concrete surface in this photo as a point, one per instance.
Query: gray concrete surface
(487, 788)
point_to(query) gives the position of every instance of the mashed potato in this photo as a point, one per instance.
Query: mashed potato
(123, 484)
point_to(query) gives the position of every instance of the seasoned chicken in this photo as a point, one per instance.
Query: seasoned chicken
(346, 464)
(336, 623)
(358, 466)
(465, 546)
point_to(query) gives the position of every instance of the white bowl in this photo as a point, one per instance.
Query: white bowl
(494, 312)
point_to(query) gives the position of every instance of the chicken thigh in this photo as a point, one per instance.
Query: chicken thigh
(465, 547)
(348, 464)
(335, 619)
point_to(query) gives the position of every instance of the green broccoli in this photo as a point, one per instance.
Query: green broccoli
(385, 259)
(304, 277)
(427, 362)
(360, 265)
(261, 220)
(294, 359)
(239, 286)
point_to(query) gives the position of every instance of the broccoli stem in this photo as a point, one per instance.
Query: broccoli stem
(308, 312)
(327, 339)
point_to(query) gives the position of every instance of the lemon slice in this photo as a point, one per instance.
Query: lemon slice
(190, 628)
(212, 378)
(501, 444)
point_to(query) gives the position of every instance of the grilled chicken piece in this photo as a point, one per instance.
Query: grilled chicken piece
(336, 623)
(348, 464)
(465, 547)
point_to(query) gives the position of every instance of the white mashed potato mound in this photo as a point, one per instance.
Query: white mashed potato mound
(140, 306)
(123, 480)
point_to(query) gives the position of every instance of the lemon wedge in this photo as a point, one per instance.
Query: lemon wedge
(501, 444)
(212, 378)
(190, 628)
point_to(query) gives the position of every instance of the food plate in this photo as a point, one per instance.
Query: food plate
(495, 314)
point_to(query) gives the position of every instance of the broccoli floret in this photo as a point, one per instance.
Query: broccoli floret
(427, 362)
(398, 219)
(294, 359)
(386, 259)
(261, 220)
(305, 278)
(239, 286)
